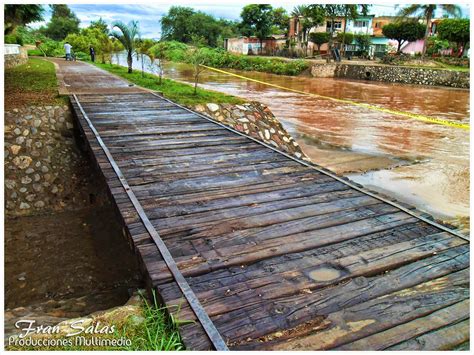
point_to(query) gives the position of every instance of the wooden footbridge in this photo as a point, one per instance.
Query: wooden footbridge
(257, 250)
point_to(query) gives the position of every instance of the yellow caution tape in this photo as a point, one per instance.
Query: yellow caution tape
(436, 120)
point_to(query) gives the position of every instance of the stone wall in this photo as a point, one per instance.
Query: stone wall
(41, 160)
(323, 70)
(13, 60)
(394, 74)
(254, 120)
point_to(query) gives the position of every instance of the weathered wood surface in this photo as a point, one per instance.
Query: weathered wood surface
(281, 256)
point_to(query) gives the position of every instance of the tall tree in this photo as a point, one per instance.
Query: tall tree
(183, 23)
(427, 11)
(281, 21)
(63, 22)
(308, 17)
(101, 25)
(257, 20)
(455, 30)
(20, 15)
(127, 36)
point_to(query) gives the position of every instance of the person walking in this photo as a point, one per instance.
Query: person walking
(67, 49)
(92, 53)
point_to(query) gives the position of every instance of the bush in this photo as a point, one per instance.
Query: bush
(52, 48)
(13, 39)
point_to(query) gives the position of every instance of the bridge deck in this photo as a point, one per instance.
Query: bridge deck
(280, 255)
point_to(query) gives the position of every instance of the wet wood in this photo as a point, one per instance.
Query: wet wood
(281, 256)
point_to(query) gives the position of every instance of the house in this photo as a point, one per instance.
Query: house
(361, 25)
(251, 45)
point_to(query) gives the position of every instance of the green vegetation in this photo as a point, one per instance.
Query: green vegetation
(182, 23)
(179, 92)
(20, 15)
(455, 30)
(427, 12)
(32, 83)
(404, 31)
(128, 37)
(257, 20)
(155, 333)
(63, 22)
(319, 38)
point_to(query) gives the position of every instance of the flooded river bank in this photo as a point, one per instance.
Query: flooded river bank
(423, 164)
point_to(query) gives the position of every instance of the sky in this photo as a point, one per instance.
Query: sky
(149, 14)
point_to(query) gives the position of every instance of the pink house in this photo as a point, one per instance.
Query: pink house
(413, 47)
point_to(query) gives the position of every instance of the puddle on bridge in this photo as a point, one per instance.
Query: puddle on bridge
(426, 165)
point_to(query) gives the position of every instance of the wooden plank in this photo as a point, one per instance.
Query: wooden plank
(445, 338)
(378, 314)
(409, 334)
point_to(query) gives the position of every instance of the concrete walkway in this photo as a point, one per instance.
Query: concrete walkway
(83, 78)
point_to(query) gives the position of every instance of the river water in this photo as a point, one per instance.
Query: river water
(426, 165)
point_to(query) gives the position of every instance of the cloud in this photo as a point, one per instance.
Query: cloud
(149, 15)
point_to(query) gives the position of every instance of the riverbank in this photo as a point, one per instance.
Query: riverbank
(403, 74)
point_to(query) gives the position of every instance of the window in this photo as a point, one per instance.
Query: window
(337, 26)
(361, 23)
(378, 25)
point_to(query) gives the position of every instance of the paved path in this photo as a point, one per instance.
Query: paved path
(280, 255)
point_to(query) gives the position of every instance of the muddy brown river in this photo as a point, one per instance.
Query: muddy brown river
(424, 164)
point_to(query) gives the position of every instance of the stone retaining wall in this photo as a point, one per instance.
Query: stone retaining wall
(13, 60)
(41, 160)
(394, 74)
(254, 120)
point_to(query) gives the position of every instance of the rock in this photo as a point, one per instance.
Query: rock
(44, 169)
(39, 204)
(24, 206)
(17, 131)
(26, 132)
(212, 107)
(15, 149)
(37, 123)
(20, 140)
(25, 180)
(267, 134)
(29, 171)
(10, 184)
(22, 161)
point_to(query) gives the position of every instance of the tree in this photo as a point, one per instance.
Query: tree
(101, 25)
(281, 21)
(351, 12)
(319, 38)
(198, 57)
(63, 22)
(332, 11)
(143, 48)
(404, 31)
(455, 30)
(363, 42)
(427, 12)
(308, 17)
(127, 36)
(182, 23)
(257, 20)
(20, 15)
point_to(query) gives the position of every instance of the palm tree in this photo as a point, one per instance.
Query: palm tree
(300, 12)
(127, 36)
(427, 12)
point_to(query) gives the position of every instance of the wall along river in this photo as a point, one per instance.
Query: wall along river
(423, 164)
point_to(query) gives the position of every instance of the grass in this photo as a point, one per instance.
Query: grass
(32, 83)
(156, 333)
(173, 90)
